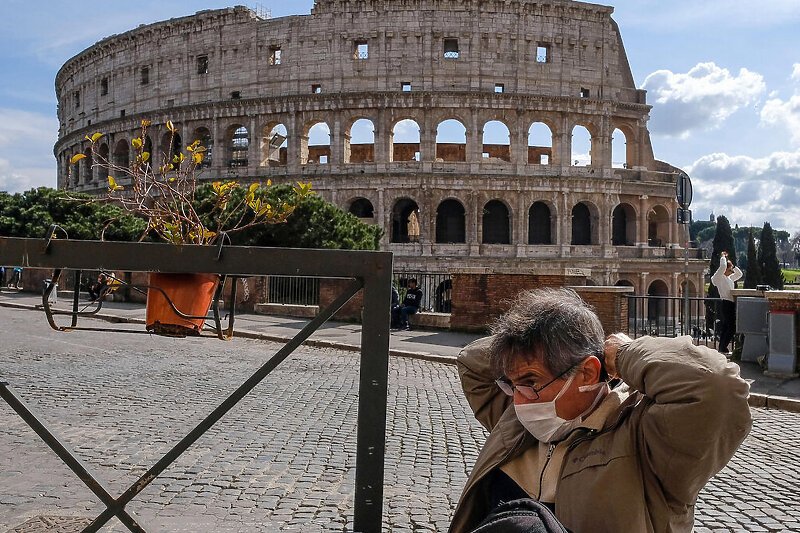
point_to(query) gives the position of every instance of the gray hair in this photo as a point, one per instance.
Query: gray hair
(553, 325)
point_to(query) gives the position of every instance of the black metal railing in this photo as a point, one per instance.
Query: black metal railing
(292, 290)
(673, 316)
(436, 288)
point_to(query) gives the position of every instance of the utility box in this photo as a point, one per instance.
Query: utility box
(753, 323)
(782, 343)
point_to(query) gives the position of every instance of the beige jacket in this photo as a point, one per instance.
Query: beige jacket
(645, 453)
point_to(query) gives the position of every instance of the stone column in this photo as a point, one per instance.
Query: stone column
(337, 140)
(253, 147)
(474, 139)
(218, 148)
(643, 209)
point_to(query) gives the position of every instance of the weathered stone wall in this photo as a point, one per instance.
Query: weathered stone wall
(553, 62)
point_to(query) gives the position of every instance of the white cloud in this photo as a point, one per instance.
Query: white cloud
(701, 99)
(785, 113)
(26, 150)
(319, 134)
(748, 190)
(657, 15)
(406, 131)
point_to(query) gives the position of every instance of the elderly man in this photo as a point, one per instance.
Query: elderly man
(625, 458)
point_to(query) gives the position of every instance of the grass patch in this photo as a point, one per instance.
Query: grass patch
(791, 275)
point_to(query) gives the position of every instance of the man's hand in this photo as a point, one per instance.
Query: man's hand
(612, 345)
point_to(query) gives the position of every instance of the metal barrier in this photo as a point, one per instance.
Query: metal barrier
(370, 271)
(436, 289)
(672, 316)
(292, 290)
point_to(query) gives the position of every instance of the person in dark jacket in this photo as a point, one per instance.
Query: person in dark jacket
(410, 306)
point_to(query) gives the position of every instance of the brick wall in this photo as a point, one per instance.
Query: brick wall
(609, 303)
(480, 298)
(330, 289)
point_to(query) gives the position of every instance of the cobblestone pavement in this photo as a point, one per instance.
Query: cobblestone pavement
(284, 459)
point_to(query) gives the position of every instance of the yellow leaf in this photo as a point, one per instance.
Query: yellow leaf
(76, 158)
(96, 137)
(145, 123)
(136, 143)
(197, 158)
(170, 126)
(269, 183)
(112, 184)
(145, 156)
(216, 185)
(253, 188)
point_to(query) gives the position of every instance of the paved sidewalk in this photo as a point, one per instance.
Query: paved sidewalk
(432, 345)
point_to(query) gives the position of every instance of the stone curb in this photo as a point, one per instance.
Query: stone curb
(762, 401)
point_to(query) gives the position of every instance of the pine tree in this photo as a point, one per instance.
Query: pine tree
(723, 242)
(768, 258)
(753, 275)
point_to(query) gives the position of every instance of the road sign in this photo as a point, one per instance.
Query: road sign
(683, 190)
(684, 216)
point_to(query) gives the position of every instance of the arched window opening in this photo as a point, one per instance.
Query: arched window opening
(362, 208)
(539, 224)
(316, 148)
(619, 149)
(405, 141)
(581, 225)
(121, 158)
(102, 168)
(450, 222)
(656, 304)
(359, 142)
(451, 141)
(496, 141)
(658, 221)
(239, 146)
(405, 221)
(540, 144)
(496, 223)
(88, 166)
(274, 146)
(581, 147)
(623, 226)
(204, 136)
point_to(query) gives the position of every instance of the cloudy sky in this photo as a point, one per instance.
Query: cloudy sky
(723, 77)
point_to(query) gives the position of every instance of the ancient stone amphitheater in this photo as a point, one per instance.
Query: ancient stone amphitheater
(499, 136)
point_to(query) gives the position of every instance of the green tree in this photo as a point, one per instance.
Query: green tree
(314, 224)
(723, 242)
(768, 259)
(752, 276)
(697, 226)
(32, 213)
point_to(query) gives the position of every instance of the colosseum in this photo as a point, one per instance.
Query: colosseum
(499, 136)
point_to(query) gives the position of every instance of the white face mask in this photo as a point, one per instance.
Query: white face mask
(541, 420)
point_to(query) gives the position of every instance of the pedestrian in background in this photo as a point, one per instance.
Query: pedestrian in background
(724, 279)
(612, 435)
(410, 306)
(16, 277)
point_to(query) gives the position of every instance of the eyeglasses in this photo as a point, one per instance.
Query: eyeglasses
(527, 391)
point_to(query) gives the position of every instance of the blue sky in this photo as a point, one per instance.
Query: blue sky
(723, 77)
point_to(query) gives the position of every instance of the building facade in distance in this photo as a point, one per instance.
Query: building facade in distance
(449, 123)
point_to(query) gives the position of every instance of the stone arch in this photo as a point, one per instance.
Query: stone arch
(623, 225)
(102, 169)
(451, 222)
(362, 208)
(403, 229)
(121, 157)
(658, 222)
(237, 144)
(624, 145)
(359, 141)
(619, 149)
(315, 144)
(274, 145)
(496, 223)
(584, 224)
(657, 292)
(540, 223)
(404, 140)
(581, 146)
(540, 144)
(171, 145)
(203, 135)
(496, 141)
(449, 143)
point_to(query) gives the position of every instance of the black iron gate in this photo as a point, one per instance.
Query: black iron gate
(369, 271)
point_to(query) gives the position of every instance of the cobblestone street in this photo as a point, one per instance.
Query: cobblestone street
(283, 459)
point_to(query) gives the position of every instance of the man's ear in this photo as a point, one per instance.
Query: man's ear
(592, 370)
